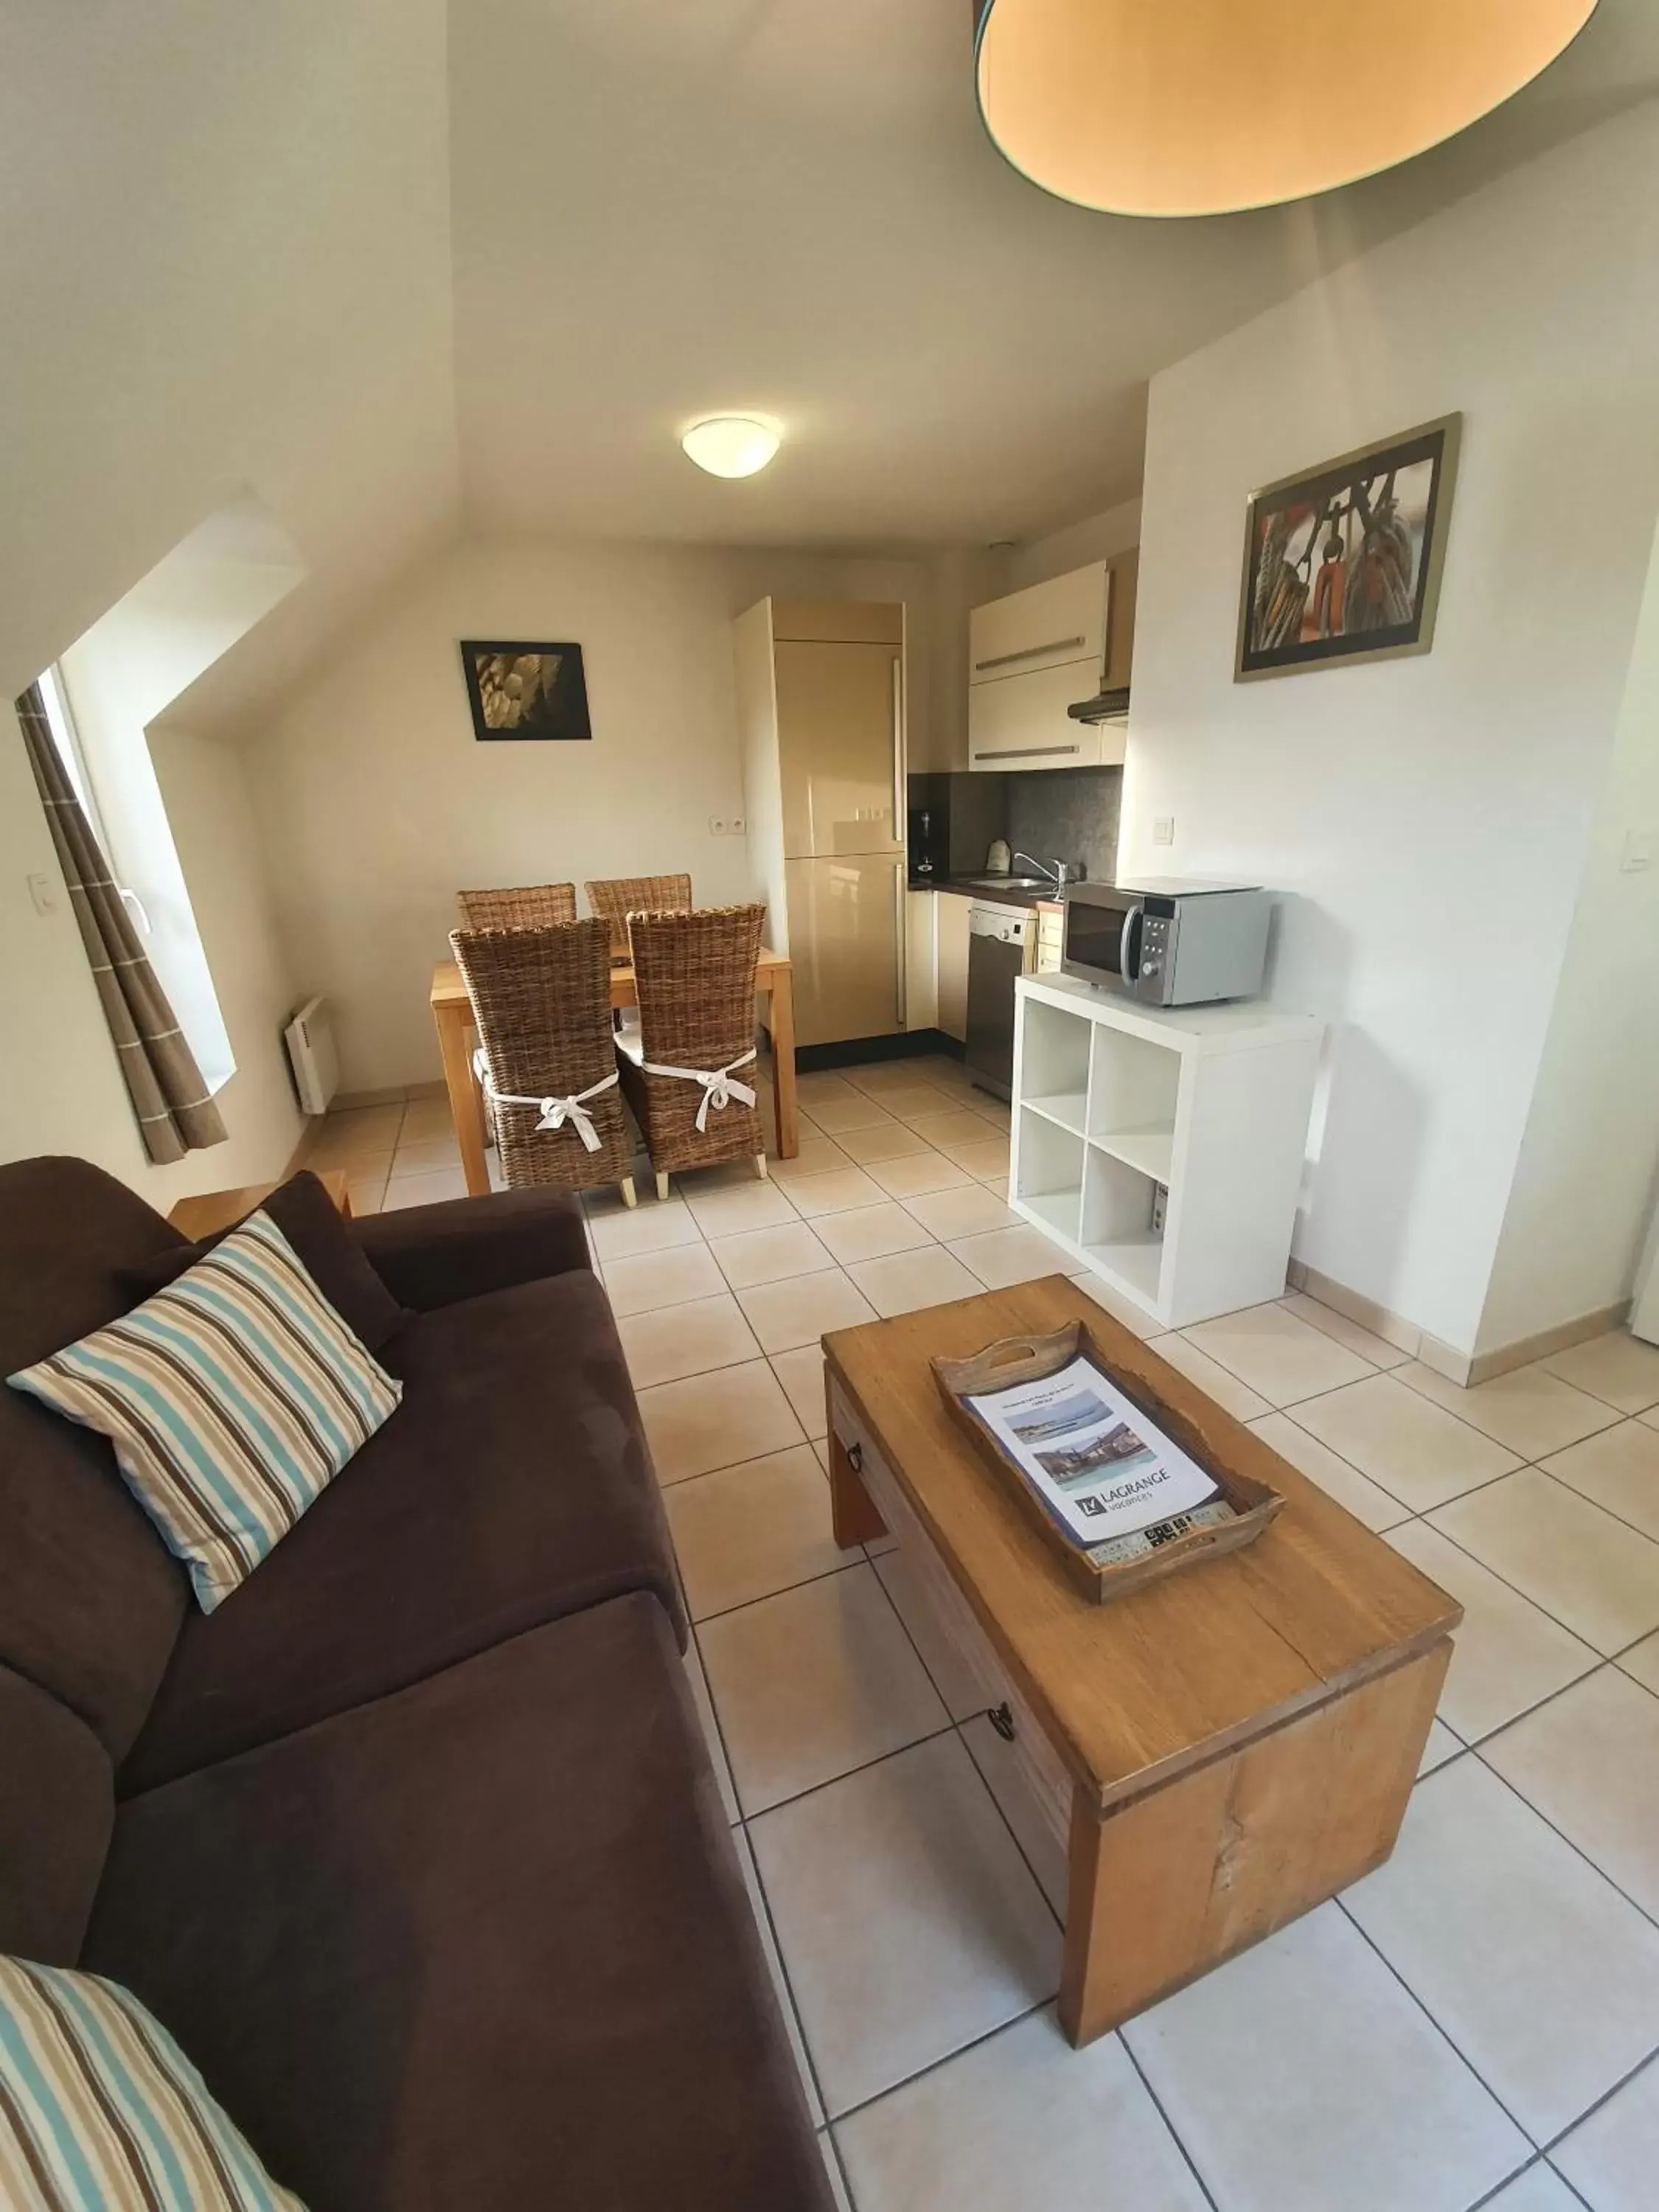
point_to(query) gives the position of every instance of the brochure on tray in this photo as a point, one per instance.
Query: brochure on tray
(1102, 1469)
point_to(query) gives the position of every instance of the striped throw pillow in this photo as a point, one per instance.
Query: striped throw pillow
(101, 2112)
(231, 1398)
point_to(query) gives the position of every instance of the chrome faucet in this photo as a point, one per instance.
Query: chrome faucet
(1053, 869)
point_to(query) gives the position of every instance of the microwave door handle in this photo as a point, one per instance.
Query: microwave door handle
(1128, 945)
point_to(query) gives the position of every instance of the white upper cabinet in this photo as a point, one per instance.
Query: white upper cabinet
(1062, 621)
(1030, 656)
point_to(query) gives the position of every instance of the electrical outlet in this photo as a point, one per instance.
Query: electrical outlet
(1164, 829)
(738, 826)
(1637, 853)
(717, 825)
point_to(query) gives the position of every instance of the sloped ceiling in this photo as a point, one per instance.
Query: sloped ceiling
(402, 269)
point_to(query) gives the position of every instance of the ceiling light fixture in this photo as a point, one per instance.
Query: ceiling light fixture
(730, 444)
(1142, 107)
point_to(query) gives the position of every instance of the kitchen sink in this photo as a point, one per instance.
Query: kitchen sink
(1010, 883)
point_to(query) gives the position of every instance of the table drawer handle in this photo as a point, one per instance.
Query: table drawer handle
(1001, 1718)
(855, 1457)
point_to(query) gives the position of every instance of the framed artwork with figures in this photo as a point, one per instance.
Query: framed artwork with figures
(519, 691)
(1342, 563)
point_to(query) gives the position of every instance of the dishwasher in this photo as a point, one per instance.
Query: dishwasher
(996, 955)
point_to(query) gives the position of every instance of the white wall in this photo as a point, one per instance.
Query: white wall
(378, 804)
(1096, 537)
(1426, 821)
(1584, 1183)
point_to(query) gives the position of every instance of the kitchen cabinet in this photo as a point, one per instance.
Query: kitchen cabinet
(951, 963)
(921, 960)
(1030, 656)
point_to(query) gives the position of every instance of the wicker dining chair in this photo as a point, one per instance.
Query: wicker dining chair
(541, 1003)
(690, 1067)
(617, 896)
(525, 906)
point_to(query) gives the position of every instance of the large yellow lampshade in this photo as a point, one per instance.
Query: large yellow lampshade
(1181, 107)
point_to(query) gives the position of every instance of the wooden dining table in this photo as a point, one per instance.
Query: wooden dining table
(451, 1017)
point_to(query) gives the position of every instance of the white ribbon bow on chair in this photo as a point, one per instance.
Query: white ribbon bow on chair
(719, 1089)
(555, 1112)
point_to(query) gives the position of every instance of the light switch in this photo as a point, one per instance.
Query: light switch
(45, 894)
(1164, 829)
(1639, 849)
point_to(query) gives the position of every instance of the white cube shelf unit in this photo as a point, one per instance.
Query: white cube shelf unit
(1114, 1100)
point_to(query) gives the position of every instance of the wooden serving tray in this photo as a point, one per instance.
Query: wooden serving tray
(1032, 1359)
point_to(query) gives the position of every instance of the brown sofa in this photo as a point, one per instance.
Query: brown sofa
(414, 1843)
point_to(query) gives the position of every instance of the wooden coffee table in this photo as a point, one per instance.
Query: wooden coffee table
(1217, 1751)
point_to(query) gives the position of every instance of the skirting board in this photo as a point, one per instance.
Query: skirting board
(1464, 1368)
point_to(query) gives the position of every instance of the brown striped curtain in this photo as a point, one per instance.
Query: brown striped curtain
(175, 1114)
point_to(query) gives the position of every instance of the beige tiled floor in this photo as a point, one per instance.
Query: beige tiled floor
(1476, 2024)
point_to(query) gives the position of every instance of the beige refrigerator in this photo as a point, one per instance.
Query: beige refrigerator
(821, 698)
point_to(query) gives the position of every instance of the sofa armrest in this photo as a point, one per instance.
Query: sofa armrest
(462, 1248)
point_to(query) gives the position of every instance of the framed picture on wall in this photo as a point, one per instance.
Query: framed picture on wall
(519, 691)
(1342, 563)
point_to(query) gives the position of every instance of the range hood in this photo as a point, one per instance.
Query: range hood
(1104, 706)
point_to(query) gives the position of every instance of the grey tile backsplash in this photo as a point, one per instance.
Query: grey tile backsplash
(1059, 814)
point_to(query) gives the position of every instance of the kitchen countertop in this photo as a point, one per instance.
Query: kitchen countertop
(993, 894)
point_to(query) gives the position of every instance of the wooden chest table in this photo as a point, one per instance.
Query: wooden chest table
(1217, 1751)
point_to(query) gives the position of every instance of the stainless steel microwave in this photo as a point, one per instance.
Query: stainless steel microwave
(1166, 942)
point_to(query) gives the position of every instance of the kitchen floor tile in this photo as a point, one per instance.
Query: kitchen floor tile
(731, 1211)
(1361, 1496)
(366, 1180)
(816, 1156)
(838, 1193)
(1540, 2189)
(906, 1280)
(834, 1117)
(429, 1189)
(1044, 1851)
(891, 1140)
(812, 1683)
(1442, 1744)
(784, 1315)
(966, 1210)
(820, 1084)
(1507, 1656)
(964, 1693)
(1236, 1398)
(1422, 1455)
(911, 1099)
(1611, 2158)
(986, 1164)
(711, 1733)
(1375, 1349)
(1618, 1368)
(357, 1131)
(1278, 1355)
(1542, 1975)
(1002, 1256)
(648, 1280)
(644, 1228)
(1021, 2120)
(918, 1172)
(747, 1532)
(887, 1078)
(801, 1374)
(426, 1117)
(870, 1232)
(1530, 1410)
(993, 1111)
(1596, 1575)
(768, 1255)
(908, 1920)
(1617, 1469)
(1113, 1302)
(421, 1155)
(1643, 1662)
(1300, 2077)
(1589, 1761)
(949, 1129)
(780, 1979)
(716, 1419)
(687, 1339)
